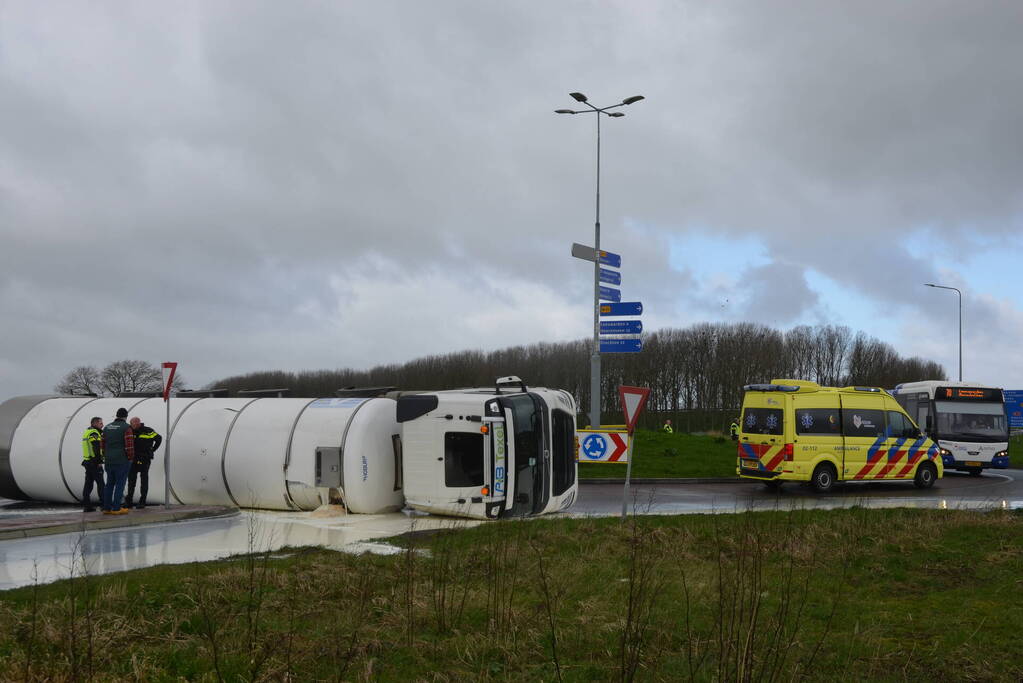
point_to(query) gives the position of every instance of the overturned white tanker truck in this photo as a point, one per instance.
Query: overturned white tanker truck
(505, 451)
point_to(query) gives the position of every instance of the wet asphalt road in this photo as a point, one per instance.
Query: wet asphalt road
(47, 558)
(1003, 488)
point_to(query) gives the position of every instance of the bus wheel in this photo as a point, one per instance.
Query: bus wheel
(974, 471)
(823, 477)
(925, 476)
(773, 485)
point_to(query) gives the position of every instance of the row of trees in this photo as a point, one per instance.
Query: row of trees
(698, 368)
(119, 377)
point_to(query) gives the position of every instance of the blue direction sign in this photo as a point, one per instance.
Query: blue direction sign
(622, 308)
(621, 326)
(609, 259)
(621, 345)
(611, 277)
(1014, 409)
(608, 294)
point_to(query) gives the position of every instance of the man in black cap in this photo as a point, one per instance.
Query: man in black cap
(146, 443)
(118, 452)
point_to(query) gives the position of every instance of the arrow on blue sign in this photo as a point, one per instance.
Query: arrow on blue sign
(621, 326)
(621, 345)
(622, 308)
(608, 294)
(610, 277)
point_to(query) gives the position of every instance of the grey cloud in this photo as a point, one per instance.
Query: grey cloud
(219, 165)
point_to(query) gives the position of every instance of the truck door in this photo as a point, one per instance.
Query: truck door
(863, 427)
(465, 468)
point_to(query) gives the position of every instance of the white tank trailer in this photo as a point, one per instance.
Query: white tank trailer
(506, 451)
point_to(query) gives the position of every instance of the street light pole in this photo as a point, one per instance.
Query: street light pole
(960, 324)
(595, 353)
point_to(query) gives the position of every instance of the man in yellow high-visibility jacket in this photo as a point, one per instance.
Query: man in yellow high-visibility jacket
(92, 461)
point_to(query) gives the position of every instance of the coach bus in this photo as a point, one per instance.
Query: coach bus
(967, 421)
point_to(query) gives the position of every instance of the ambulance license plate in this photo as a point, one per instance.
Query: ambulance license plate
(972, 463)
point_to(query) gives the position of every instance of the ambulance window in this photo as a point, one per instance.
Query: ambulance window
(463, 459)
(899, 426)
(822, 421)
(762, 421)
(865, 423)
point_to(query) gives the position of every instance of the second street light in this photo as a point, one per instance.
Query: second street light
(960, 323)
(595, 356)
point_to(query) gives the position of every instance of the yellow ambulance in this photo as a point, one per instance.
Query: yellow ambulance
(793, 430)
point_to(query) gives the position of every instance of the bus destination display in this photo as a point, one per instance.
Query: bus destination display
(967, 394)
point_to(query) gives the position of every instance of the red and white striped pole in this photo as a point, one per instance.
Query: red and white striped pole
(168, 380)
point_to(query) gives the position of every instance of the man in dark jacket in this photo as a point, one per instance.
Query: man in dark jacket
(146, 443)
(118, 452)
(92, 461)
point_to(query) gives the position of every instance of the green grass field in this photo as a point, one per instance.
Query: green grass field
(656, 454)
(820, 595)
(682, 455)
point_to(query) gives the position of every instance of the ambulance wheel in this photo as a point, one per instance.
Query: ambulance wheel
(823, 478)
(925, 476)
(974, 471)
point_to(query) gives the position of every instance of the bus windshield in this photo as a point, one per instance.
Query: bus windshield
(963, 421)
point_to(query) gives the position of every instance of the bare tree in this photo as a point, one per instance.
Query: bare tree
(82, 380)
(125, 376)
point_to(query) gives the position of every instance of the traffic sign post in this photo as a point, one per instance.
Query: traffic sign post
(608, 294)
(610, 277)
(633, 399)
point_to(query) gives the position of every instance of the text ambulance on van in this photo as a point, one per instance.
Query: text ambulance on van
(793, 430)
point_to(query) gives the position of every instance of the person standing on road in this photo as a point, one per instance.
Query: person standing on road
(146, 443)
(667, 427)
(734, 429)
(118, 452)
(92, 461)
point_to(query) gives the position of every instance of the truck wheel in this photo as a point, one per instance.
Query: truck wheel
(974, 471)
(926, 474)
(823, 477)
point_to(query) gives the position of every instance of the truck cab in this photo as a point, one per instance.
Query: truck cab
(488, 453)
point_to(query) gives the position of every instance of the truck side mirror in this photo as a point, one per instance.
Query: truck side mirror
(929, 423)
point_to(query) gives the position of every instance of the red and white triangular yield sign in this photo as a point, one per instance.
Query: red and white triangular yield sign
(168, 378)
(633, 399)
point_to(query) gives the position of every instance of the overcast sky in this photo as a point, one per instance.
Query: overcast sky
(303, 185)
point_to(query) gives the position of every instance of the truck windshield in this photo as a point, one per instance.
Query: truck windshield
(963, 421)
(527, 433)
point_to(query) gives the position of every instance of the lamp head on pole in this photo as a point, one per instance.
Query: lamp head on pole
(616, 114)
(564, 111)
(577, 96)
(633, 99)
